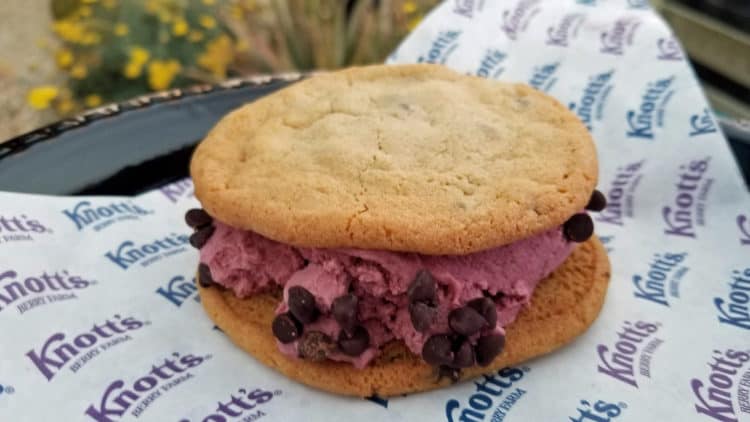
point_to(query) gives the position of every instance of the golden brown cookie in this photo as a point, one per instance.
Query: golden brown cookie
(562, 307)
(407, 158)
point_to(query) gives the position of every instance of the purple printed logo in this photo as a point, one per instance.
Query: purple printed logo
(598, 411)
(653, 104)
(58, 351)
(138, 395)
(734, 309)
(631, 340)
(20, 228)
(240, 406)
(701, 124)
(517, 19)
(669, 49)
(621, 34)
(565, 30)
(713, 394)
(178, 290)
(591, 105)
(543, 77)
(491, 64)
(84, 214)
(689, 204)
(128, 253)
(662, 269)
(39, 290)
(621, 194)
(743, 223)
(441, 48)
(178, 190)
(467, 7)
(496, 386)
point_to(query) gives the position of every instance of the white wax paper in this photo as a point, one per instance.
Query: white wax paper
(126, 338)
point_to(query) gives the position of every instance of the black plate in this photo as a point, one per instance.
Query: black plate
(129, 148)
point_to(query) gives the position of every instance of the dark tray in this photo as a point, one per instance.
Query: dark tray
(129, 148)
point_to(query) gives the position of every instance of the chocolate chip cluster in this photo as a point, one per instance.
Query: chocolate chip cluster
(203, 229)
(352, 340)
(580, 227)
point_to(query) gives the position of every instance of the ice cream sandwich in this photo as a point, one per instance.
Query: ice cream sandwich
(383, 230)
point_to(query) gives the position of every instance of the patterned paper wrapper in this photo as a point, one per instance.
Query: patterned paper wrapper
(100, 320)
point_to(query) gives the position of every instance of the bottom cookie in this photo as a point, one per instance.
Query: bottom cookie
(562, 307)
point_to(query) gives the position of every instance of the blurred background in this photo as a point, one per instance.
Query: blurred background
(58, 57)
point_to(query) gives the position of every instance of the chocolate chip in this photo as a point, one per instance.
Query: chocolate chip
(446, 371)
(466, 321)
(422, 316)
(437, 350)
(315, 346)
(286, 328)
(199, 238)
(204, 276)
(578, 228)
(488, 347)
(355, 343)
(344, 310)
(597, 202)
(486, 308)
(197, 218)
(302, 304)
(463, 356)
(423, 288)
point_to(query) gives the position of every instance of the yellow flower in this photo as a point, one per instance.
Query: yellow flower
(139, 55)
(92, 100)
(85, 11)
(41, 96)
(195, 36)
(218, 55)
(162, 72)
(79, 71)
(209, 2)
(409, 7)
(109, 4)
(180, 27)
(69, 30)
(207, 21)
(64, 58)
(132, 70)
(65, 106)
(121, 29)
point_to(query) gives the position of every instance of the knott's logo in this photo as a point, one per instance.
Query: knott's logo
(84, 214)
(743, 223)
(178, 290)
(136, 396)
(650, 113)
(491, 64)
(561, 34)
(41, 289)
(59, 349)
(734, 309)
(713, 394)
(621, 194)
(669, 49)
(689, 205)
(20, 228)
(543, 77)
(517, 19)
(701, 124)
(493, 397)
(620, 363)
(653, 286)
(619, 35)
(591, 105)
(441, 48)
(598, 411)
(128, 253)
(178, 190)
(244, 406)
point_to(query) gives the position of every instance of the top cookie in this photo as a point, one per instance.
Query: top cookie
(411, 158)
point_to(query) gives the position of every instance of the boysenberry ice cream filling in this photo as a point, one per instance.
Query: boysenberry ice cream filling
(344, 304)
